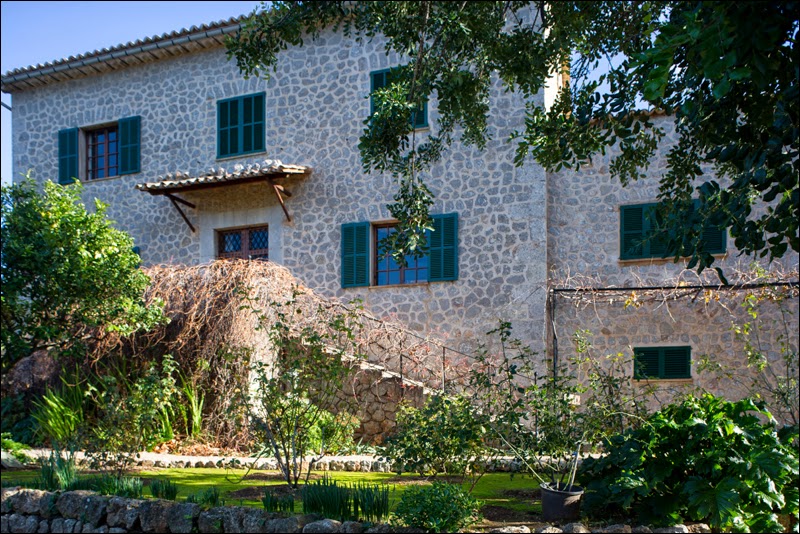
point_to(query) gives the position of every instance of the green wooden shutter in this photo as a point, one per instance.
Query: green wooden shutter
(443, 248)
(646, 363)
(656, 245)
(129, 145)
(252, 123)
(714, 239)
(632, 232)
(68, 156)
(676, 362)
(227, 128)
(377, 80)
(355, 254)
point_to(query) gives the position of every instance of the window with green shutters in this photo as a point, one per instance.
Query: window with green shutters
(241, 125)
(380, 79)
(662, 362)
(68, 156)
(108, 150)
(639, 239)
(360, 254)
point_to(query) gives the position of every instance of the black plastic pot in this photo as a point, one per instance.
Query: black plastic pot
(560, 505)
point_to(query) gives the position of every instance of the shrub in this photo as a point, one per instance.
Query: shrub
(59, 414)
(703, 459)
(277, 504)
(58, 472)
(130, 487)
(163, 489)
(437, 508)
(207, 499)
(328, 498)
(16, 449)
(446, 435)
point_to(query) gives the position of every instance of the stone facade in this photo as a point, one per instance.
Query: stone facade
(315, 103)
(520, 228)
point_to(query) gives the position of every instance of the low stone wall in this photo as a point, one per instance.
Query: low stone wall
(27, 510)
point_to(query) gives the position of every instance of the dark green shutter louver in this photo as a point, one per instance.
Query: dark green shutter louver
(129, 145)
(677, 361)
(656, 245)
(714, 239)
(632, 232)
(443, 248)
(355, 254)
(646, 363)
(67, 156)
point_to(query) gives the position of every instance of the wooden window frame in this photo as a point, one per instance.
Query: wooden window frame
(245, 252)
(377, 260)
(239, 129)
(91, 152)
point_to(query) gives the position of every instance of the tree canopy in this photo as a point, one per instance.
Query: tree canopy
(728, 73)
(67, 274)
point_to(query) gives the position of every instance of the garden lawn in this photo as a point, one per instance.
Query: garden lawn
(493, 489)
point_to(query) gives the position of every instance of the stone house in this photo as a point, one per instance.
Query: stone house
(198, 163)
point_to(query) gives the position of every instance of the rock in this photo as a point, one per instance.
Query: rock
(90, 529)
(22, 523)
(641, 530)
(182, 517)
(56, 526)
(615, 529)
(123, 513)
(290, 525)
(158, 463)
(253, 520)
(116, 530)
(322, 527)
(549, 529)
(232, 518)
(199, 464)
(78, 527)
(153, 515)
(70, 524)
(383, 528)
(29, 501)
(71, 503)
(350, 465)
(336, 465)
(7, 461)
(352, 527)
(210, 520)
(522, 529)
(44, 527)
(210, 464)
(575, 527)
(700, 528)
(673, 529)
(94, 510)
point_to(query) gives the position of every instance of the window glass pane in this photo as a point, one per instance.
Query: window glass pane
(112, 135)
(101, 138)
(258, 136)
(258, 108)
(383, 278)
(248, 139)
(101, 149)
(259, 239)
(394, 277)
(112, 148)
(101, 162)
(422, 275)
(234, 113)
(231, 242)
(248, 110)
(100, 173)
(112, 160)
(411, 276)
(233, 141)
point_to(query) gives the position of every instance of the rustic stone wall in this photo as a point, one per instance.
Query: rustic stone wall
(583, 250)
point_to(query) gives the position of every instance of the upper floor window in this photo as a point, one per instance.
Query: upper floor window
(382, 78)
(662, 362)
(241, 125)
(363, 266)
(102, 150)
(99, 152)
(251, 243)
(640, 239)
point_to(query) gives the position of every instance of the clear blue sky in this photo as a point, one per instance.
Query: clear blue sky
(38, 32)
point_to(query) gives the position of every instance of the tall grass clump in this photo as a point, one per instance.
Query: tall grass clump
(164, 489)
(277, 504)
(326, 497)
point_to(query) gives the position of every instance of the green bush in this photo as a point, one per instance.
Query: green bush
(437, 508)
(328, 498)
(277, 504)
(446, 435)
(332, 433)
(207, 499)
(703, 459)
(16, 449)
(163, 489)
(130, 487)
(59, 413)
(58, 472)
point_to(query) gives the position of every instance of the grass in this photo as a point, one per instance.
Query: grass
(491, 489)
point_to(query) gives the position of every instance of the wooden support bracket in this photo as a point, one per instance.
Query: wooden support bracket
(175, 200)
(278, 189)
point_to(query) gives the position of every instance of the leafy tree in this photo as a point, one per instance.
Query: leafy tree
(726, 71)
(67, 274)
